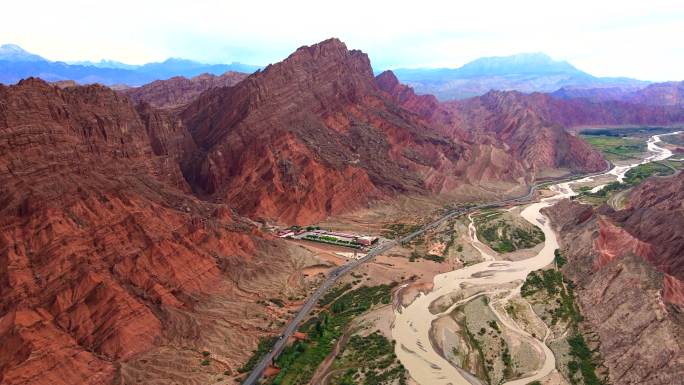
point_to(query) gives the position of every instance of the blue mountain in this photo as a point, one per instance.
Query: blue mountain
(17, 64)
(526, 72)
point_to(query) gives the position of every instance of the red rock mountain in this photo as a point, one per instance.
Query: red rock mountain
(667, 94)
(509, 120)
(179, 91)
(310, 136)
(117, 229)
(660, 94)
(630, 275)
(101, 245)
(285, 142)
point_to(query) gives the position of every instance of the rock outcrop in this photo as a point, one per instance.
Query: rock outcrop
(312, 136)
(628, 269)
(99, 237)
(503, 119)
(658, 94)
(317, 134)
(179, 91)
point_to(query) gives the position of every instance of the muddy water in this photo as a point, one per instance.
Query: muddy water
(658, 153)
(412, 323)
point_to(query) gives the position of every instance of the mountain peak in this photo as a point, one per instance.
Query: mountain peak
(522, 63)
(331, 57)
(329, 49)
(11, 47)
(14, 53)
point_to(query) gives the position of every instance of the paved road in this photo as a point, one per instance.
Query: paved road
(258, 370)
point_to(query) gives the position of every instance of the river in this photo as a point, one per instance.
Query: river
(412, 323)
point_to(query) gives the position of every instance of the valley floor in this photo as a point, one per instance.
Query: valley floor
(477, 300)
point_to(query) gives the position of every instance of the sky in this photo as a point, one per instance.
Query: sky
(640, 39)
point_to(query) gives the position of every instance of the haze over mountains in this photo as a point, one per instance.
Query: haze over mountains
(663, 94)
(528, 72)
(17, 64)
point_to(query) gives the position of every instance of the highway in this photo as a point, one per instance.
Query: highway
(280, 344)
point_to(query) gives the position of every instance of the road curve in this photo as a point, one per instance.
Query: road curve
(278, 347)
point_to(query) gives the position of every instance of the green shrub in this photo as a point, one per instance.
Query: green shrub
(559, 259)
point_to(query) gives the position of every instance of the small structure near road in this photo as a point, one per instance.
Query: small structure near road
(315, 234)
(367, 240)
(341, 239)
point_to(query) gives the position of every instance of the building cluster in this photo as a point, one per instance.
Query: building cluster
(334, 237)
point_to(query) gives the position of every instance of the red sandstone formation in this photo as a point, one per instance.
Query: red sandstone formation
(179, 91)
(309, 137)
(660, 94)
(629, 274)
(582, 112)
(317, 120)
(657, 94)
(503, 119)
(117, 224)
(98, 234)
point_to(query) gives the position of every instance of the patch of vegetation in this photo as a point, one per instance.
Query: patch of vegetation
(333, 293)
(584, 362)
(430, 257)
(551, 284)
(450, 244)
(265, 345)
(504, 237)
(277, 301)
(396, 230)
(677, 140)
(559, 259)
(637, 175)
(643, 131)
(472, 341)
(675, 164)
(507, 360)
(494, 325)
(615, 147)
(369, 360)
(633, 177)
(538, 280)
(299, 361)
(331, 241)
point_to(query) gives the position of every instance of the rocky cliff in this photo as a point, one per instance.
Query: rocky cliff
(317, 134)
(628, 270)
(667, 94)
(507, 120)
(100, 241)
(312, 136)
(585, 112)
(178, 90)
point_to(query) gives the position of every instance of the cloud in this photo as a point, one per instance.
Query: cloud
(620, 38)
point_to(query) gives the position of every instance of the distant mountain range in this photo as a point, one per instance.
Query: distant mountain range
(17, 64)
(528, 72)
(656, 94)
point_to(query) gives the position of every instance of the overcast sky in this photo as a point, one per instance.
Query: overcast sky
(641, 39)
